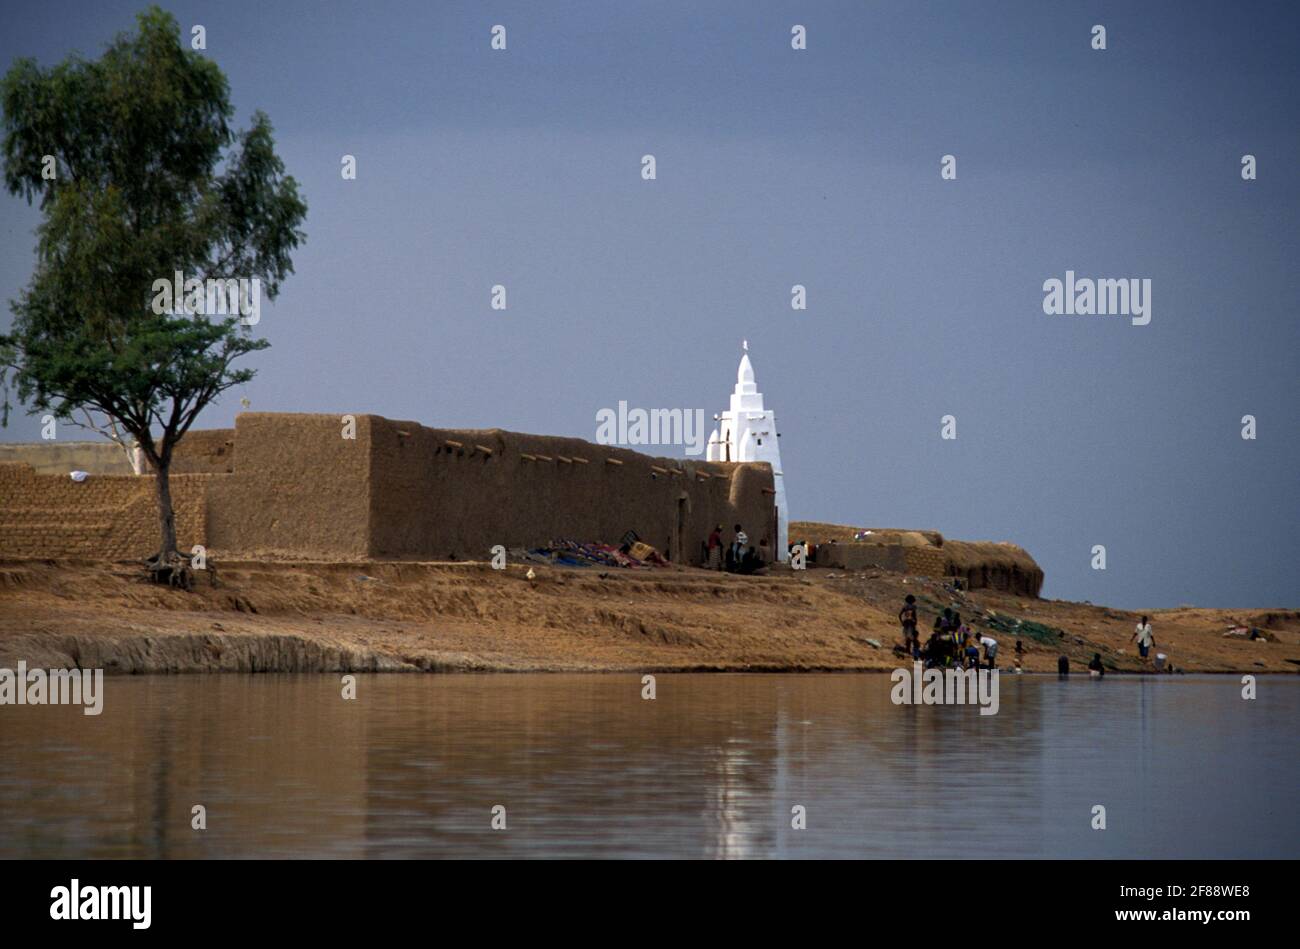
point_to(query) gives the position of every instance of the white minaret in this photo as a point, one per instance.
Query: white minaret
(748, 433)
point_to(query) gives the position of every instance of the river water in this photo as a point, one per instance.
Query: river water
(713, 766)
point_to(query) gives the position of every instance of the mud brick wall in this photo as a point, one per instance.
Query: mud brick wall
(200, 451)
(300, 490)
(290, 486)
(105, 517)
(209, 450)
(982, 565)
(925, 561)
(853, 556)
(993, 565)
(438, 494)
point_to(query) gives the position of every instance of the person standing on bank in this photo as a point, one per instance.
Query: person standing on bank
(907, 616)
(990, 650)
(739, 546)
(1145, 638)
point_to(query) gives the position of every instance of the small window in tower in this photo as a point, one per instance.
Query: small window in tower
(760, 441)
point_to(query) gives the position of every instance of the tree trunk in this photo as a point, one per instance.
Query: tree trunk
(166, 516)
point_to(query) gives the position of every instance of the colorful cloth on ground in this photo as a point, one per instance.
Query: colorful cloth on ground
(575, 554)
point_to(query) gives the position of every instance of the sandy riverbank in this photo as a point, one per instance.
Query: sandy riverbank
(466, 617)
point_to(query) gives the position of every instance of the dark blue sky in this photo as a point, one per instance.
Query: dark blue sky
(820, 168)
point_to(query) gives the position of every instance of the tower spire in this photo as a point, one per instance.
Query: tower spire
(746, 433)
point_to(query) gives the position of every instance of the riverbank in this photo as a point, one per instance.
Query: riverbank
(464, 617)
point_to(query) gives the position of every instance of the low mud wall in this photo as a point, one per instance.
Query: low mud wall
(105, 517)
(925, 561)
(62, 457)
(995, 566)
(979, 564)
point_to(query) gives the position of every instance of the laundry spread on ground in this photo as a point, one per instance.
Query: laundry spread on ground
(571, 553)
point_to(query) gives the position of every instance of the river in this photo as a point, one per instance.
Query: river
(713, 766)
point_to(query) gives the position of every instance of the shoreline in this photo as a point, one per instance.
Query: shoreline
(407, 616)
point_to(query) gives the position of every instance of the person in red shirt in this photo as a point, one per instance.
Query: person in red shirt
(715, 548)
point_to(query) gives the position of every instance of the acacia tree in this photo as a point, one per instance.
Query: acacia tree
(139, 175)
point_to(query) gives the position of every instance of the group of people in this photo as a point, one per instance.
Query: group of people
(736, 557)
(951, 644)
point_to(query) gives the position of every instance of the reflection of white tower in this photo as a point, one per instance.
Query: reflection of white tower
(748, 433)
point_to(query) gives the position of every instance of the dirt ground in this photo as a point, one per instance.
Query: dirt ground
(464, 617)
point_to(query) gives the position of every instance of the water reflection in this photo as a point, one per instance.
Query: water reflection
(711, 768)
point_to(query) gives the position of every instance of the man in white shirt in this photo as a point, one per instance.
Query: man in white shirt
(736, 550)
(990, 650)
(1144, 637)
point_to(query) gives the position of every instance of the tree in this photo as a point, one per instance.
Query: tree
(140, 176)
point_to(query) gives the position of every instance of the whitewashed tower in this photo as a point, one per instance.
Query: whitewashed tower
(747, 432)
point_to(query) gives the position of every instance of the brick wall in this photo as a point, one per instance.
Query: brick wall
(926, 561)
(105, 517)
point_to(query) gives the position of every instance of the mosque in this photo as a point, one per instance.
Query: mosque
(339, 487)
(747, 432)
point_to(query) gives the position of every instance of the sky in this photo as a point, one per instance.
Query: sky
(819, 167)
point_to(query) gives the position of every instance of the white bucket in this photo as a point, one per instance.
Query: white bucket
(1160, 661)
